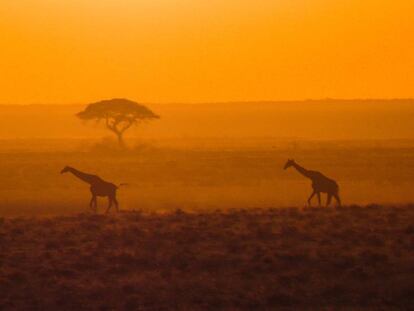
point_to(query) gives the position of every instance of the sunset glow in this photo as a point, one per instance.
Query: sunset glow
(206, 155)
(197, 51)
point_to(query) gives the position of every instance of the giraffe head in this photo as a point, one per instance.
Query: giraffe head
(289, 163)
(65, 169)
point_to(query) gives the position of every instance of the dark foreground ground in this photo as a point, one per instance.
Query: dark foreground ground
(352, 258)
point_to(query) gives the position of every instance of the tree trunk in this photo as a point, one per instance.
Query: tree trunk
(119, 132)
(121, 142)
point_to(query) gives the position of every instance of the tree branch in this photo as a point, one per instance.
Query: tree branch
(126, 126)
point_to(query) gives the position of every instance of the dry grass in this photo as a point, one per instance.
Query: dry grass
(351, 258)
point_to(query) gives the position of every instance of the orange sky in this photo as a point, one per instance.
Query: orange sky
(77, 51)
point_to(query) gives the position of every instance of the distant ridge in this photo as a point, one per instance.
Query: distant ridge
(310, 101)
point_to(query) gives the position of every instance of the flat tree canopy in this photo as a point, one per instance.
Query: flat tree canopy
(119, 114)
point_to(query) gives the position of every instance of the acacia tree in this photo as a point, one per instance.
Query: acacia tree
(118, 114)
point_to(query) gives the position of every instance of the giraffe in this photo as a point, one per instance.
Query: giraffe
(99, 187)
(320, 183)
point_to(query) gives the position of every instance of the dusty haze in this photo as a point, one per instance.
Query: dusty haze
(309, 120)
(209, 156)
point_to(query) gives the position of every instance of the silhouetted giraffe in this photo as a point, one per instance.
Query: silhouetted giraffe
(320, 183)
(99, 187)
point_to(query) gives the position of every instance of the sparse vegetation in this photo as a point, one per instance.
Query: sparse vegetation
(350, 258)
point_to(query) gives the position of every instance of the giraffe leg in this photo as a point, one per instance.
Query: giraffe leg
(338, 200)
(109, 205)
(310, 198)
(116, 203)
(328, 201)
(319, 198)
(93, 204)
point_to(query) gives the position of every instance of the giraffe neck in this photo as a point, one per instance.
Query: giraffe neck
(82, 176)
(302, 170)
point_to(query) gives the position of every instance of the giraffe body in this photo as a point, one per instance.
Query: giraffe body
(98, 188)
(320, 183)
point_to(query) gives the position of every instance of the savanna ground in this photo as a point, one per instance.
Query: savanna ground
(349, 258)
(206, 226)
(200, 175)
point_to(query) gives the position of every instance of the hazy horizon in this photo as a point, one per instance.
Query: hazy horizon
(309, 120)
